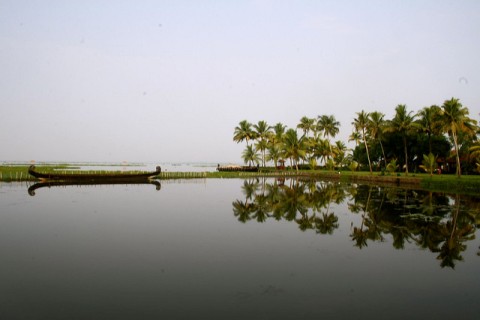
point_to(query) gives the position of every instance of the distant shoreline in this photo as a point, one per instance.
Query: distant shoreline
(467, 184)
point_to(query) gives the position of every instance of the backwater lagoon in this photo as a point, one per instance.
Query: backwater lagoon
(237, 249)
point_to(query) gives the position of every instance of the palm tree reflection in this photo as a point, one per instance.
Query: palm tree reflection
(438, 222)
(455, 233)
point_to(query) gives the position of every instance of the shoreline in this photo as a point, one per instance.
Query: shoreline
(467, 184)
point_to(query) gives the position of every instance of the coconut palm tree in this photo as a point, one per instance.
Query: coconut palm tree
(429, 122)
(262, 146)
(429, 163)
(355, 137)
(294, 147)
(243, 132)
(454, 120)
(403, 123)
(376, 125)
(250, 155)
(310, 156)
(475, 151)
(340, 149)
(392, 166)
(278, 132)
(361, 123)
(321, 149)
(262, 131)
(329, 126)
(306, 125)
(274, 154)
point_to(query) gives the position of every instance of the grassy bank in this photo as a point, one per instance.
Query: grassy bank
(442, 183)
(15, 173)
(10, 173)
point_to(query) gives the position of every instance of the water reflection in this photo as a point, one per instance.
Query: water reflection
(131, 252)
(32, 188)
(441, 223)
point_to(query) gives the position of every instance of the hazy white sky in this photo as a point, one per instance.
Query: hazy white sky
(168, 81)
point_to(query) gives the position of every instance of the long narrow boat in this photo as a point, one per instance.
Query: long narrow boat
(94, 177)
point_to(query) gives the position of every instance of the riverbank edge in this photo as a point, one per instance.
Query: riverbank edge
(438, 183)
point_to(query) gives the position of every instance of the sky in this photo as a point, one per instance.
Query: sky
(168, 81)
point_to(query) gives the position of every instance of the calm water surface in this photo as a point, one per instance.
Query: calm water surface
(237, 249)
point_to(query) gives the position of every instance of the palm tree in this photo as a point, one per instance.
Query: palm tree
(429, 163)
(243, 132)
(454, 120)
(392, 166)
(274, 154)
(403, 123)
(475, 150)
(262, 130)
(310, 156)
(356, 137)
(250, 155)
(321, 149)
(329, 126)
(361, 124)
(278, 132)
(294, 147)
(306, 125)
(376, 125)
(429, 122)
(262, 146)
(340, 149)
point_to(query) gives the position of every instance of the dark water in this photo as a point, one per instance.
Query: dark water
(235, 249)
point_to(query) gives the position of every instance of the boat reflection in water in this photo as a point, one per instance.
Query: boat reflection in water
(55, 179)
(34, 187)
(438, 222)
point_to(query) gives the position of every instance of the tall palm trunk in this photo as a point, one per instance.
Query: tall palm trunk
(429, 142)
(383, 153)
(457, 156)
(366, 149)
(406, 154)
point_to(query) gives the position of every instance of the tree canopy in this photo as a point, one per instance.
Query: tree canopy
(446, 134)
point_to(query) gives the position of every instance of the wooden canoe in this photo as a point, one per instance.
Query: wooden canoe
(94, 177)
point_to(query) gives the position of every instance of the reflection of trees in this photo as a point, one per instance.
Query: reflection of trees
(437, 222)
(423, 218)
(327, 223)
(244, 209)
(455, 233)
(305, 202)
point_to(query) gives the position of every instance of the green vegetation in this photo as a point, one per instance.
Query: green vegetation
(383, 150)
(429, 163)
(446, 131)
(437, 182)
(17, 172)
